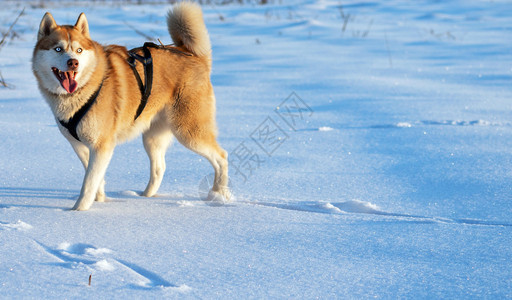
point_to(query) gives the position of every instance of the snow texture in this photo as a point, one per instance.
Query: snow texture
(370, 157)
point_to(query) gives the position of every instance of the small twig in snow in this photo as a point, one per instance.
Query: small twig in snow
(3, 83)
(365, 34)
(221, 17)
(345, 18)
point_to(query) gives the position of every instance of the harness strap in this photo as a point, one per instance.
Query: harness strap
(73, 122)
(147, 62)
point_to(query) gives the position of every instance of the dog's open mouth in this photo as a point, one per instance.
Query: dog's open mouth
(67, 79)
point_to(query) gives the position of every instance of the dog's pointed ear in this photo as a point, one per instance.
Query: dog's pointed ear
(47, 26)
(82, 25)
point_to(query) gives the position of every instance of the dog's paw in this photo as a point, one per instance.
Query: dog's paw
(100, 197)
(227, 195)
(79, 208)
(81, 205)
(147, 194)
(219, 199)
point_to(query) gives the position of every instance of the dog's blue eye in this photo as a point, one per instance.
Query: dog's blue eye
(58, 49)
(79, 50)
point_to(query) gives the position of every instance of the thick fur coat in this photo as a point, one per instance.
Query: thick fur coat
(70, 67)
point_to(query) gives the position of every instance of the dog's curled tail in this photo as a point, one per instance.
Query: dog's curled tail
(187, 28)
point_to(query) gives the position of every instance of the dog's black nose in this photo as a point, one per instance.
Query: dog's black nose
(73, 64)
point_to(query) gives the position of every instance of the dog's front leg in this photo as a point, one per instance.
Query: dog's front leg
(98, 163)
(82, 151)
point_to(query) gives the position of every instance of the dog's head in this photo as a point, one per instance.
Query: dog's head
(64, 57)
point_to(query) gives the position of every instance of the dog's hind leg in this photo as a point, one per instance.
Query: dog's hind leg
(201, 138)
(218, 158)
(156, 141)
(83, 154)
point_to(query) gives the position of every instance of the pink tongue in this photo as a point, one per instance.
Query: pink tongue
(68, 82)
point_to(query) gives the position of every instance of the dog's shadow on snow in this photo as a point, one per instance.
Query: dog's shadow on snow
(173, 199)
(35, 193)
(12, 197)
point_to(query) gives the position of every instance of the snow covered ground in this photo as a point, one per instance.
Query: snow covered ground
(370, 147)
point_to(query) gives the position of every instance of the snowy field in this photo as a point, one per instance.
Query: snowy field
(371, 157)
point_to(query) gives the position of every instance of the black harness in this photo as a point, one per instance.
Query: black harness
(72, 123)
(147, 62)
(145, 88)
